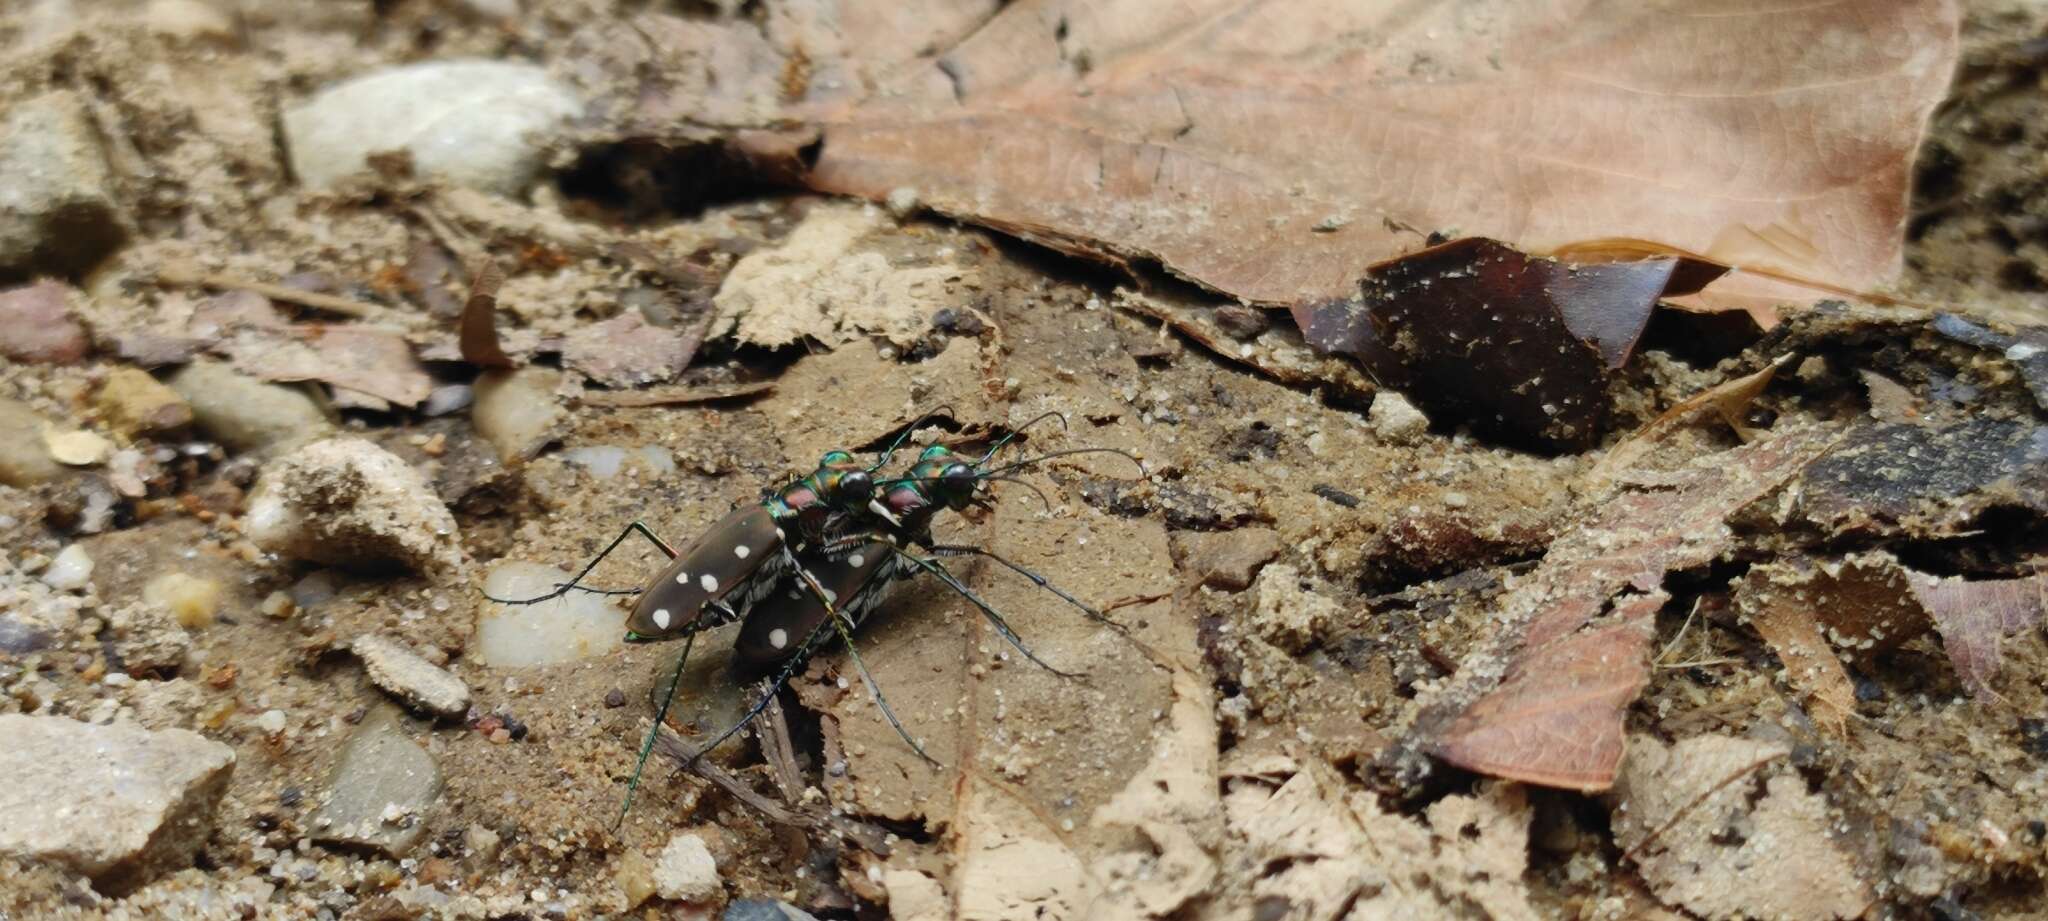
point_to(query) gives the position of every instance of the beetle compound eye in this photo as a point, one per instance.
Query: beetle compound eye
(856, 487)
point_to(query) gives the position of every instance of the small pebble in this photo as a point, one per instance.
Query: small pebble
(70, 571)
(902, 202)
(449, 398)
(271, 722)
(1395, 419)
(686, 871)
(193, 601)
(277, 605)
(77, 449)
(614, 699)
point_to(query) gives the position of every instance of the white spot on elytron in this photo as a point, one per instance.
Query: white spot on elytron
(661, 618)
(856, 561)
(708, 581)
(682, 578)
(778, 637)
(741, 551)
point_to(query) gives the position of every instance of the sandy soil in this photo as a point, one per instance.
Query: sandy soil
(1133, 791)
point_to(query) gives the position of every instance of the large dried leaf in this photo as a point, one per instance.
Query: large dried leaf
(1556, 718)
(1713, 828)
(1495, 712)
(1974, 618)
(369, 361)
(1273, 151)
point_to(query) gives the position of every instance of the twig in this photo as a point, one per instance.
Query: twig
(1689, 615)
(672, 396)
(672, 745)
(183, 275)
(869, 837)
(780, 753)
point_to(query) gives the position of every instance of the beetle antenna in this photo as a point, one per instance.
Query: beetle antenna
(1019, 430)
(1068, 453)
(903, 436)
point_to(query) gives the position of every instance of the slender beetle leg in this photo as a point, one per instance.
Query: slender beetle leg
(1036, 579)
(1002, 626)
(660, 713)
(845, 627)
(564, 587)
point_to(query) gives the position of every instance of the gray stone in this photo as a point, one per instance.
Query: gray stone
(481, 124)
(348, 502)
(24, 461)
(57, 212)
(244, 413)
(381, 789)
(418, 682)
(765, 910)
(119, 803)
(686, 871)
(36, 325)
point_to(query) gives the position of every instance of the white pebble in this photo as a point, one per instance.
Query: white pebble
(70, 571)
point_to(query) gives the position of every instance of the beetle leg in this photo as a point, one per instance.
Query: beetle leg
(1036, 579)
(994, 617)
(564, 587)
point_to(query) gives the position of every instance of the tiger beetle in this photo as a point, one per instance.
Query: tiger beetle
(847, 545)
(845, 579)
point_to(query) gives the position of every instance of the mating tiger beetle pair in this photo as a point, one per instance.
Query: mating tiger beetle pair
(812, 559)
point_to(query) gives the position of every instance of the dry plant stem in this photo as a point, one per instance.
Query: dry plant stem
(187, 276)
(672, 745)
(465, 247)
(780, 753)
(870, 838)
(673, 396)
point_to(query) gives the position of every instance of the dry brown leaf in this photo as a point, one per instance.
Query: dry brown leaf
(1728, 400)
(1714, 830)
(1323, 850)
(1271, 151)
(1516, 346)
(1785, 621)
(1632, 537)
(367, 360)
(1556, 718)
(626, 351)
(1974, 618)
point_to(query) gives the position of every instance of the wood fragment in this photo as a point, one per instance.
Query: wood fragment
(478, 333)
(186, 276)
